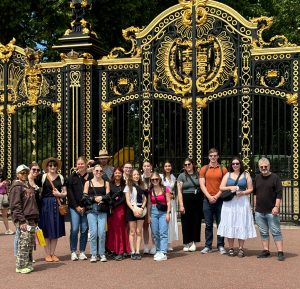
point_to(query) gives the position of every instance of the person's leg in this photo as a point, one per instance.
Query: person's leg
(132, 234)
(53, 244)
(163, 232)
(262, 223)
(102, 217)
(139, 229)
(146, 237)
(241, 243)
(208, 217)
(230, 242)
(217, 213)
(92, 221)
(5, 219)
(16, 241)
(75, 220)
(274, 225)
(47, 247)
(155, 227)
(22, 260)
(84, 228)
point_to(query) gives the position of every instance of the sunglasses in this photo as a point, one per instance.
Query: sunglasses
(24, 173)
(36, 170)
(263, 167)
(235, 164)
(52, 165)
(154, 180)
(188, 164)
(99, 171)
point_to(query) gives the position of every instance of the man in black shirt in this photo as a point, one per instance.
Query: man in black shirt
(267, 197)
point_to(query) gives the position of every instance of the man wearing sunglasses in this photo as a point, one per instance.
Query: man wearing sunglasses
(210, 179)
(267, 192)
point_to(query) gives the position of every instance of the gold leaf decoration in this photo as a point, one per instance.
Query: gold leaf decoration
(56, 107)
(7, 50)
(201, 102)
(187, 103)
(106, 106)
(11, 109)
(292, 98)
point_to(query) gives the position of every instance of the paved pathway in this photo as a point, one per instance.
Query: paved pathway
(181, 271)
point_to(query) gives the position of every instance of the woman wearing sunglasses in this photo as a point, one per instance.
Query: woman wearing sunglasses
(136, 203)
(190, 200)
(169, 181)
(236, 215)
(96, 192)
(159, 211)
(51, 222)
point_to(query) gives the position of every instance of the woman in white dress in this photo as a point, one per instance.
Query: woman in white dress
(169, 182)
(236, 215)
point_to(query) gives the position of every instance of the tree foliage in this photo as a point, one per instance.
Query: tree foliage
(39, 23)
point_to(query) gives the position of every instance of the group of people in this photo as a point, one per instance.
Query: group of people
(118, 207)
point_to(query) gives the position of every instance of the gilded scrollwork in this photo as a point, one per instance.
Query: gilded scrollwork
(272, 78)
(106, 106)
(264, 23)
(11, 109)
(201, 13)
(124, 86)
(187, 103)
(7, 50)
(292, 98)
(201, 102)
(129, 34)
(56, 106)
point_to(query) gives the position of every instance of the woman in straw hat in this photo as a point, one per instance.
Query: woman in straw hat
(51, 222)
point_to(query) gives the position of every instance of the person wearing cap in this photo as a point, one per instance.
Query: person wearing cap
(25, 215)
(51, 222)
(103, 162)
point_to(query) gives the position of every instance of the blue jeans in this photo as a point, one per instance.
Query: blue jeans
(97, 226)
(78, 221)
(266, 222)
(210, 211)
(159, 227)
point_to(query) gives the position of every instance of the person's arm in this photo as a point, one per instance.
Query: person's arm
(128, 201)
(16, 207)
(168, 199)
(278, 187)
(70, 193)
(180, 197)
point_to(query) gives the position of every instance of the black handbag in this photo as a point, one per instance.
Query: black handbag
(197, 188)
(159, 205)
(229, 195)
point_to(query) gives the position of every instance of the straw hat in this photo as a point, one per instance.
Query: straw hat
(103, 154)
(51, 159)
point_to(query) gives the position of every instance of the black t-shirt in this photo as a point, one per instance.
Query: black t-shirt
(267, 189)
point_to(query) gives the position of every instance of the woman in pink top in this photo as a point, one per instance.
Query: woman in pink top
(159, 210)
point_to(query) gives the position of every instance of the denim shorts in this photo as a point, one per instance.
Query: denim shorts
(266, 223)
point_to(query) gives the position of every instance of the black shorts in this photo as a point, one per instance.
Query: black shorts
(130, 216)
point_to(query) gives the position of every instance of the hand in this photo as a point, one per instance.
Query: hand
(98, 199)
(181, 209)
(137, 212)
(23, 227)
(80, 210)
(168, 217)
(90, 162)
(56, 192)
(275, 211)
(212, 199)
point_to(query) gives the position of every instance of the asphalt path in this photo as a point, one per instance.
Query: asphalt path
(181, 270)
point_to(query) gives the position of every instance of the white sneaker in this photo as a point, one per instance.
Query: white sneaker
(9, 232)
(74, 256)
(222, 250)
(157, 255)
(103, 258)
(93, 259)
(82, 256)
(206, 250)
(192, 248)
(170, 249)
(186, 247)
(153, 250)
(161, 257)
(146, 250)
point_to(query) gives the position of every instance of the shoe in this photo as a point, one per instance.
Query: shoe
(264, 254)
(55, 258)
(30, 268)
(74, 256)
(222, 250)
(280, 256)
(192, 248)
(133, 256)
(82, 256)
(138, 256)
(9, 232)
(33, 261)
(157, 256)
(146, 250)
(206, 250)
(153, 250)
(118, 257)
(103, 258)
(161, 257)
(231, 252)
(241, 253)
(186, 247)
(93, 259)
(170, 249)
(48, 258)
(24, 270)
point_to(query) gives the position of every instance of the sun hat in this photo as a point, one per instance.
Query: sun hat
(21, 168)
(51, 159)
(103, 154)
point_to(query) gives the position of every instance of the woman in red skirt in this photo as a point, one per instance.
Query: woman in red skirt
(117, 235)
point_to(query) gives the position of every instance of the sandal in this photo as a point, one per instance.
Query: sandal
(231, 252)
(241, 253)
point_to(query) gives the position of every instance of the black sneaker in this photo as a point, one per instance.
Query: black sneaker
(264, 254)
(138, 256)
(280, 256)
(133, 256)
(118, 257)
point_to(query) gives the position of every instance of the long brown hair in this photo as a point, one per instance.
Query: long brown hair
(130, 181)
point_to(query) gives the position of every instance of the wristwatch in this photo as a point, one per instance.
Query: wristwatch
(169, 212)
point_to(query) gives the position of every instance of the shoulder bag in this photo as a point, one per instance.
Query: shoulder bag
(228, 194)
(197, 188)
(159, 205)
